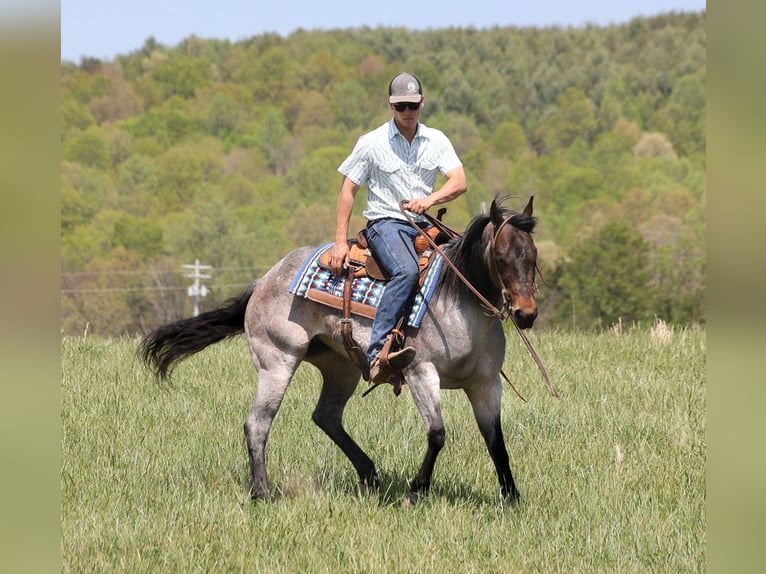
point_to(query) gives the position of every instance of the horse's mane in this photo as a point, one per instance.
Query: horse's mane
(467, 252)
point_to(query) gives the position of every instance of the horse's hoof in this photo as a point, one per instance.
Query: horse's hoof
(370, 483)
(258, 495)
(369, 487)
(410, 500)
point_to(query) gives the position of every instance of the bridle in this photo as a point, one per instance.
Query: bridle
(489, 307)
(505, 311)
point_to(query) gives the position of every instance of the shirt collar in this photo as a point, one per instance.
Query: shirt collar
(393, 131)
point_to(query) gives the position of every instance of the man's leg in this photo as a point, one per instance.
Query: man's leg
(392, 242)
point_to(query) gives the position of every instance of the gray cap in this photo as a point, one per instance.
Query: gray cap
(405, 88)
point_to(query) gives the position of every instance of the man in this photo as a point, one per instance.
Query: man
(397, 161)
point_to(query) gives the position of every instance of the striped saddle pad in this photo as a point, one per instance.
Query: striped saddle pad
(318, 284)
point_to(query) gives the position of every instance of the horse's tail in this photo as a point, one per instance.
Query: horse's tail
(161, 349)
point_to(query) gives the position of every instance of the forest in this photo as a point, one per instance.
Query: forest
(227, 153)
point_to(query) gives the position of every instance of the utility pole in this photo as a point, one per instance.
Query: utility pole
(197, 289)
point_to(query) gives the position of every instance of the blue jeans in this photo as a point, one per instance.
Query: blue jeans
(392, 241)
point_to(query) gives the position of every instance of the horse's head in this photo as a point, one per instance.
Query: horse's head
(513, 259)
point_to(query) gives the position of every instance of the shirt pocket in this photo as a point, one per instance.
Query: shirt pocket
(390, 166)
(426, 170)
(428, 164)
(391, 174)
(428, 161)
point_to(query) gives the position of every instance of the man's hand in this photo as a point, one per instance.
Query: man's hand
(419, 206)
(453, 187)
(339, 257)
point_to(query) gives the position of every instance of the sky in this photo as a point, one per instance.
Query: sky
(106, 28)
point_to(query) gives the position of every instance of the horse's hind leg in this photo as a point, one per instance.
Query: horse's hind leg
(486, 402)
(272, 384)
(340, 379)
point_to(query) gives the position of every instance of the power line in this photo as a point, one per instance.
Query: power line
(123, 289)
(147, 288)
(197, 289)
(149, 272)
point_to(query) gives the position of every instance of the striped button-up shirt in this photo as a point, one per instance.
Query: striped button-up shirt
(393, 169)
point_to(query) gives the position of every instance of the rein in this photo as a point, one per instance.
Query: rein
(483, 300)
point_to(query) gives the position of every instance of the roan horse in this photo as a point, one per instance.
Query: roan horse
(459, 345)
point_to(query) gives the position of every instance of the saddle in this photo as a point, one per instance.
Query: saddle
(364, 264)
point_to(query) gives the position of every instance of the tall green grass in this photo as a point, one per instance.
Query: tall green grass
(612, 475)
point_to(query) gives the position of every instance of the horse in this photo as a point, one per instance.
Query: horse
(459, 345)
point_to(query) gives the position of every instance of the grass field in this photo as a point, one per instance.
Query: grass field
(612, 476)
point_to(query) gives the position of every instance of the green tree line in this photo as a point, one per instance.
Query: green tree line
(227, 152)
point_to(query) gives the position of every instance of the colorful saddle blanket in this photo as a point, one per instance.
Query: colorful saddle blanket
(318, 284)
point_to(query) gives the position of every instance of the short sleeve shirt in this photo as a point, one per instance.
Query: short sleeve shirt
(393, 169)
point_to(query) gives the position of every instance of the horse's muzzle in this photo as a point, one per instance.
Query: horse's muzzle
(524, 317)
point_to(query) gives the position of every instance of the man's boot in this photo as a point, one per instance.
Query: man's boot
(380, 370)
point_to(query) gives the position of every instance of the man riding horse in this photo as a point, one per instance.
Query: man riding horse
(398, 161)
(489, 275)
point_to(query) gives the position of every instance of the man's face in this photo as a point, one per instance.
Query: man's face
(407, 113)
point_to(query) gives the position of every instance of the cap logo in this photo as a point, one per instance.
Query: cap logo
(412, 87)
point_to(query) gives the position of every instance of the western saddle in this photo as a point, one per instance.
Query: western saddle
(362, 263)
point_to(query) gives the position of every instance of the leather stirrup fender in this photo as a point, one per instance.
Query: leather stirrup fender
(353, 349)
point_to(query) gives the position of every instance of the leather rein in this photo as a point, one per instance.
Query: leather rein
(490, 308)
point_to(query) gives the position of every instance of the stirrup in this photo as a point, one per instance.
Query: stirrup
(387, 367)
(394, 379)
(398, 360)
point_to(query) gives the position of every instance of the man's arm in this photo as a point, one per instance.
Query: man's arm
(452, 188)
(339, 253)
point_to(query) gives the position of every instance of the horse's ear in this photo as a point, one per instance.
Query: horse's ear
(528, 208)
(495, 213)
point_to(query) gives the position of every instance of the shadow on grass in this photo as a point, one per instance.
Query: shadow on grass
(393, 491)
(395, 488)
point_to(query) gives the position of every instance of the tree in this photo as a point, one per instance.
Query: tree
(606, 279)
(575, 186)
(181, 75)
(119, 99)
(85, 192)
(349, 104)
(309, 110)
(90, 148)
(677, 261)
(75, 117)
(611, 107)
(102, 298)
(218, 142)
(168, 126)
(609, 152)
(138, 183)
(271, 136)
(574, 118)
(224, 116)
(321, 69)
(315, 178)
(186, 170)
(682, 118)
(269, 75)
(509, 140)
(140, 235)
(654, 145)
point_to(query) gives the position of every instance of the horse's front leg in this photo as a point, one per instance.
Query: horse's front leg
(424, 387)
(486, 400)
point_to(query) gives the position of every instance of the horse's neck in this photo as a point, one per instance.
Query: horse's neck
(463, 310)
(464, 299)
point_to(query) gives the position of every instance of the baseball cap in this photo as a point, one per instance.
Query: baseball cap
(405, 88)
